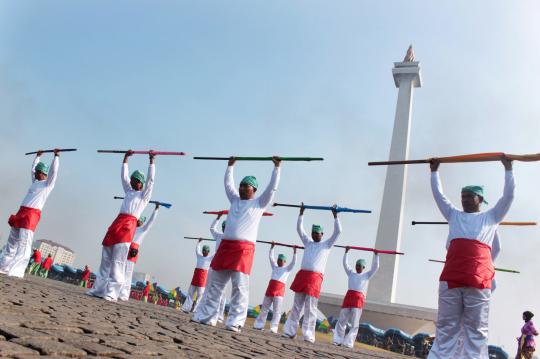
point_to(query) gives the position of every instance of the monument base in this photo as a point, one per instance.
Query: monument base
(408, 318)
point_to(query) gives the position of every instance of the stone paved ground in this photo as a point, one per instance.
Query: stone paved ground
(49, 318)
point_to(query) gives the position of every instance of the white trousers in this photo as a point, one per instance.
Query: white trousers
(347, 317)
(111, 273)
(125, 290)
(221, 310)
(276, 303)
(16, 253)
(208, 310)
(309, 305)
(190, 298)
(463, 312)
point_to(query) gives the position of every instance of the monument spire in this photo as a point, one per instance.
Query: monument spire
(407, 76)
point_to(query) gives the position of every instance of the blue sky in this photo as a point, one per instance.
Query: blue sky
(260, 78)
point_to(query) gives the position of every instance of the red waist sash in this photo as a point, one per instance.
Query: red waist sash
(234, 255)
(133, 253)
(199, 277)
(353, 299)
(26, 217)
(308, 282)
(47, 264)
(275, 289)
(121, 230)
(468, 264)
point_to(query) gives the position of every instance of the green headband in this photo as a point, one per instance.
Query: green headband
(251, 181)
(206, 248)
(361, 262)
(477, 190)
(142, 219)
(139, 176)
(282, 257)
(317, 229)
(43, 168)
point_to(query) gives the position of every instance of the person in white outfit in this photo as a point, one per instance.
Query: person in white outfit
(198, 282)
(353, 303)
(234, 257)
(275, 291)
(308, 281)
(18, 249)
(218, 236)
(466, 280)
(119, 236)
(134, 251)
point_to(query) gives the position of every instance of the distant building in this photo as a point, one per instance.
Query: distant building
(140, 277)
(60, 253)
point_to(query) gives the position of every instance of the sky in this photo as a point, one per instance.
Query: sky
(257, 78)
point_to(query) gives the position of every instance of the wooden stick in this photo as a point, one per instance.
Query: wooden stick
(261, 158)
(160, 153)
(502, 223)
(225, 212)
(323, 208)
(475, 157)
(201, 238)
(50, 151)
(370, 249)
(497, 269)
(166, 205)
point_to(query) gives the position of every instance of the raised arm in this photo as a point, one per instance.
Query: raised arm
(214, 228)
(495, 247)
(503, 204)
(374, 266)
(230, 190)
(198, 249)
(271, 258)
(149, 187)
(53, 173)
(337, 231)
(150, 221)
(444, 204)
(346, 266)
(34, 164)
(293, 262)
(268, 195)
(300, 229)
(125, 177)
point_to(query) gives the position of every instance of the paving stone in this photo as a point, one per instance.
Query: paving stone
(50, 347)
(8, 349)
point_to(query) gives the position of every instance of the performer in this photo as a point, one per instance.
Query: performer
(36, 262)
(526, 343)
(218, 236)
(133, 254)
(466, 280)
(234, 257)
(16, 253)
(198, 282)
(275, 291)
(308, 281)
(353, 303)
(46, 267)
(146, 292)
(117, 241)
(85, 277)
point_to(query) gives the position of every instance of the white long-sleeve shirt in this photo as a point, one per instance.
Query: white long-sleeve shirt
(202, 261)
(359, 281)
(480, 226)
(216, 233)
(280, 273)
(39, 191)
(245, 215)
(135, 202)
(141, 231)
(316, 253)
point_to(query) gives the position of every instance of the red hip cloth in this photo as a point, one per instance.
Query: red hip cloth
(133, 253)
(275, 289)
(468, 264)
(353, 299)
(121, 230)
(308, 282)
(199, 277)
(234, 255)
(26, 217)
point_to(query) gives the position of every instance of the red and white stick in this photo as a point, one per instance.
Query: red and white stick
(226, 211)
